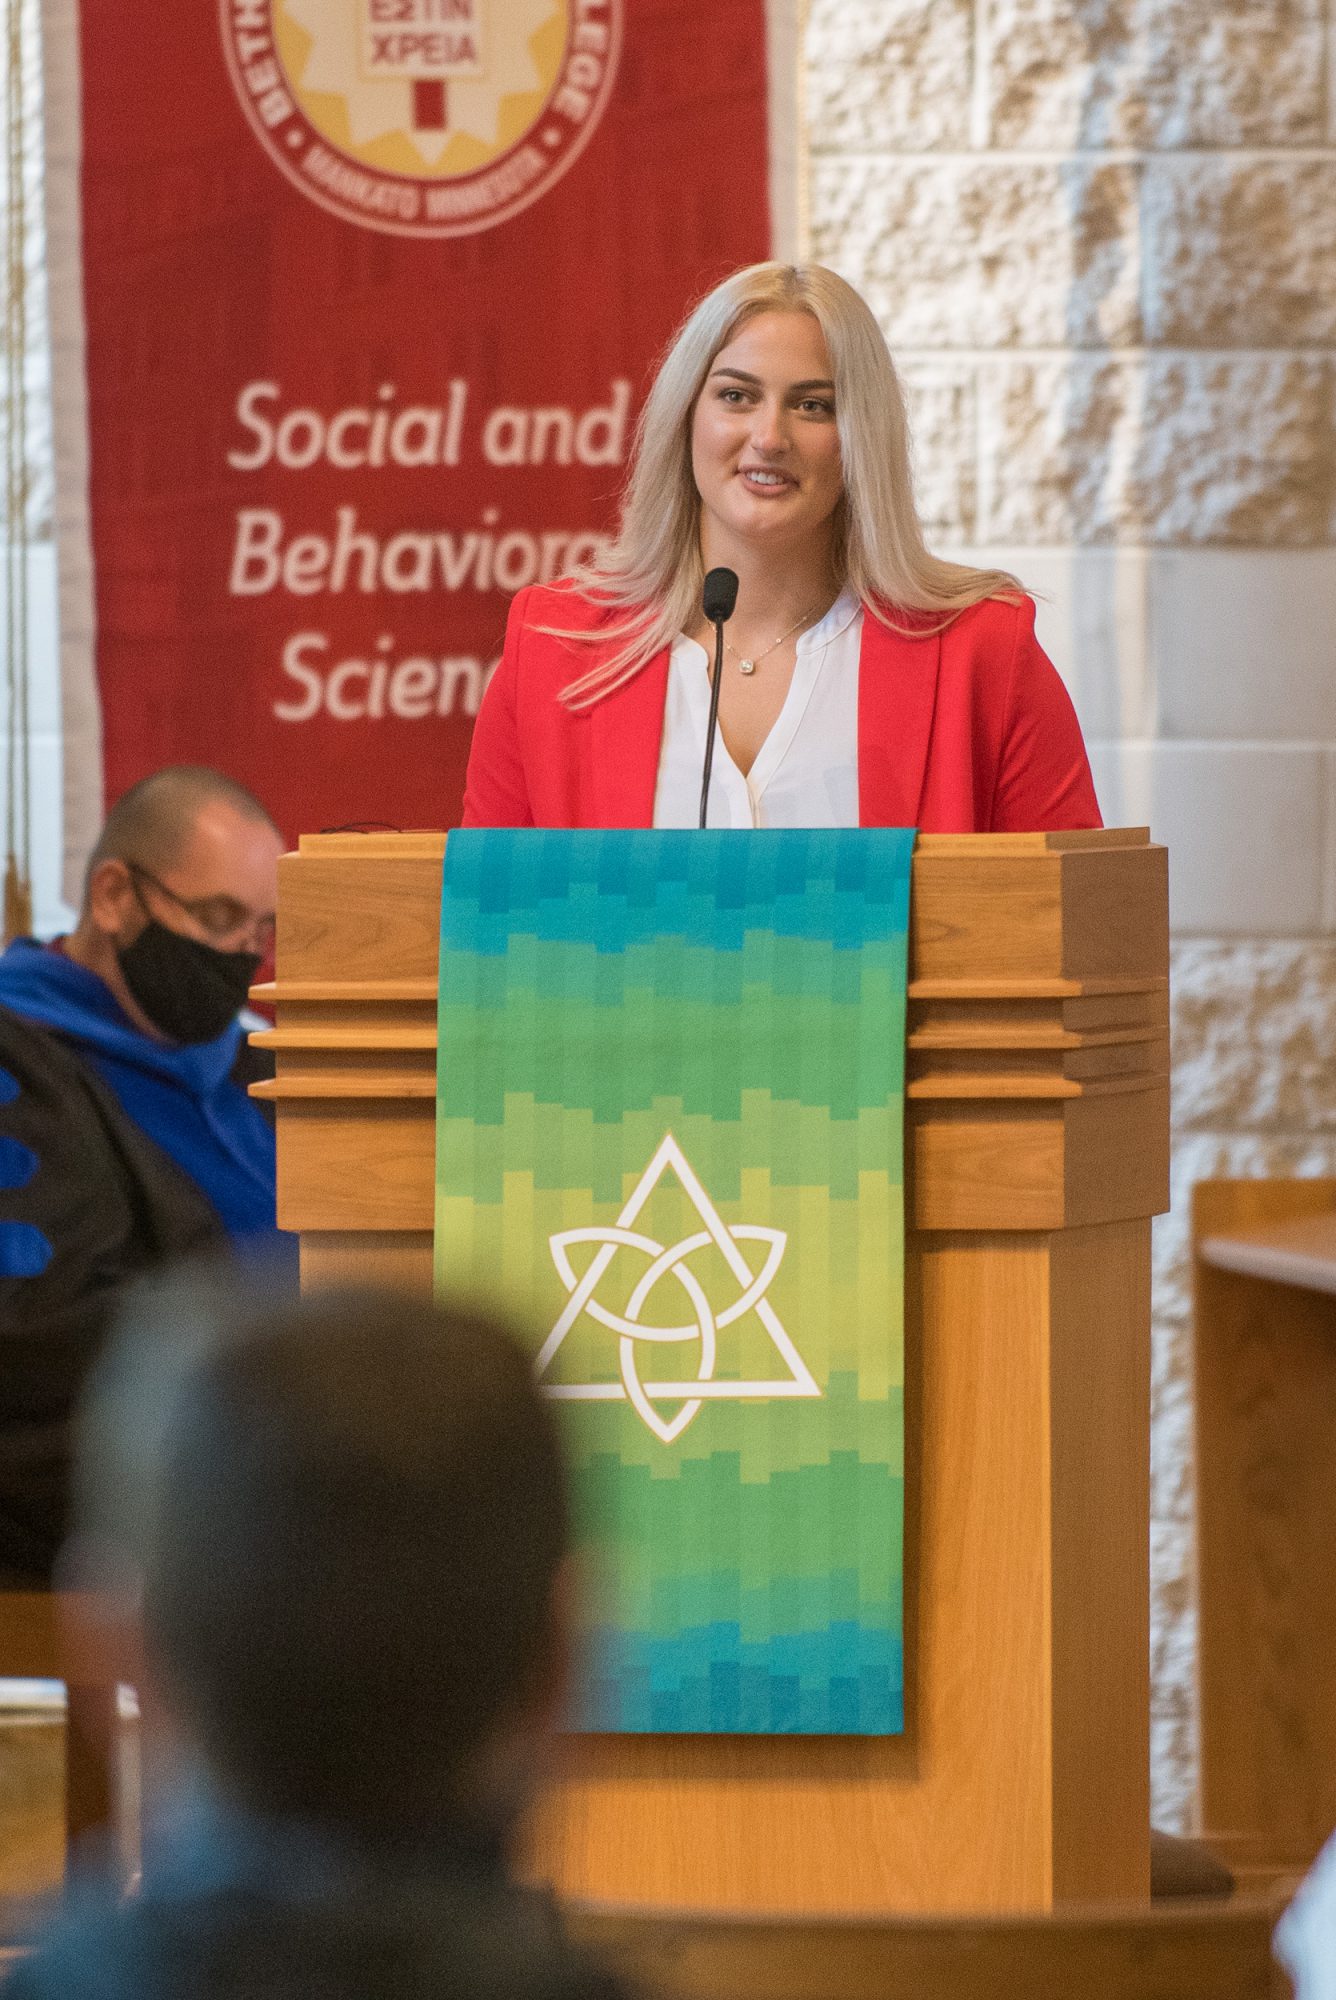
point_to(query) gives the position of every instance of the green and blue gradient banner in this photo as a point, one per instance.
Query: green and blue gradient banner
(669, 1139)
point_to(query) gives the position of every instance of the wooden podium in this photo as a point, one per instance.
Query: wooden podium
(1037, 1141)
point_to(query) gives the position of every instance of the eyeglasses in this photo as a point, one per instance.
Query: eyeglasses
(222, 917)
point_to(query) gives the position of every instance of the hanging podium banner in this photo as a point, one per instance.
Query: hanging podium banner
(670, 1133)
(355, 303)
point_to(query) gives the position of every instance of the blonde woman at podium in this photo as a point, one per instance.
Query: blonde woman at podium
(864, 680)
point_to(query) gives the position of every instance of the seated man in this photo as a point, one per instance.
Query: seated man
(347, 1521)
(126, 1136)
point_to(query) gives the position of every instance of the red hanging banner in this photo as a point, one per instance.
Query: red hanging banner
(372, 292)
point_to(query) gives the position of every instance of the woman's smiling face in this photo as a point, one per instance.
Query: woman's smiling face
(765, 451)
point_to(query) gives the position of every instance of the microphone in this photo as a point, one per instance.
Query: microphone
(717, 600)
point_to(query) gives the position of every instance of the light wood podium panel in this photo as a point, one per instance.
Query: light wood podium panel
(1037, 1151)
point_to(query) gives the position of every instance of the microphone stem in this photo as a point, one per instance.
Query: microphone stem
(713, 724)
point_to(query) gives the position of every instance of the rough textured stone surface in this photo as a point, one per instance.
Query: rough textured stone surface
(1051, 445)
(958, 254)
(1254, 1038)
(1174, 450)
(1173, 1625)
(889, 73)
(943, 417)
(1255, 1029)
(1154, 73)
(1239, 252)
(1232, 450)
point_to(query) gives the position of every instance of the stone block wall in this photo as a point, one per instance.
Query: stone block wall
(1101, 238)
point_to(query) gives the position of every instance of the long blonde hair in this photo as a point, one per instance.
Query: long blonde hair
(652, 572)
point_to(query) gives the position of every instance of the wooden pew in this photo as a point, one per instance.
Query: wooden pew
(33, 1647)
(1265, 1354)
(1183, 1951)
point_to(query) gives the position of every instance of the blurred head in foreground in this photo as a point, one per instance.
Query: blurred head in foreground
(346, 1518)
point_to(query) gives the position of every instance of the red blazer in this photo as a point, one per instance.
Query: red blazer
(969, 731)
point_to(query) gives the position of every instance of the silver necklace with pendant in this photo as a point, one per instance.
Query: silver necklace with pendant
(750, 666)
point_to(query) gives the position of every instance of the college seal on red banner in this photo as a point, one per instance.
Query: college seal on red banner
(423, 117)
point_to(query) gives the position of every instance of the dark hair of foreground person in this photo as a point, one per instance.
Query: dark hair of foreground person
(345, 1519)
(363, 1519)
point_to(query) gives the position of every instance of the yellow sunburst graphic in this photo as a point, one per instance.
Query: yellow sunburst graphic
(428, 88)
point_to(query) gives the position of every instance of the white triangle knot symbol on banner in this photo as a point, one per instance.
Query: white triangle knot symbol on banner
(672, 1261)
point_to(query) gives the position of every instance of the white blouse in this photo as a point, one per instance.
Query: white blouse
(806, 771)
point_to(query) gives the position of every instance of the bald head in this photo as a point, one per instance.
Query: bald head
(153, 822)
(189, 851)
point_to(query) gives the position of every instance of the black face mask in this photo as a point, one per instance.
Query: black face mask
(189, 991)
